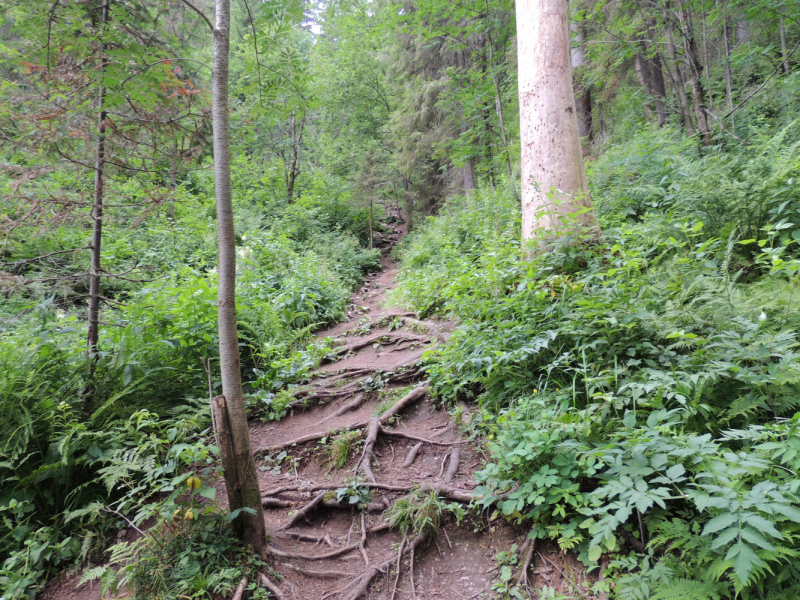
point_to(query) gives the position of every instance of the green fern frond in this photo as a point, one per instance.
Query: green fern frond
(687, 589)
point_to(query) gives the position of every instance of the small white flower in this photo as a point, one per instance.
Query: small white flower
(762, 316)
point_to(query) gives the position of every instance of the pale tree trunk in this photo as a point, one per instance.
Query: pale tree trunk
(583, 97)
(659, 89)
(241, 481)
(95, 270)
(553, 176)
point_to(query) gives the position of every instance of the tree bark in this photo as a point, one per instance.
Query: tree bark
(249, 525)
(659, 89)
(726, 30)
(95, 270)
(173, 178)
(553, 175)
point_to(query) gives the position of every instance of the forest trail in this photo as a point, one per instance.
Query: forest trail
(322, 546)
(380, 353)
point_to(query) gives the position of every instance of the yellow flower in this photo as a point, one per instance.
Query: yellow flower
(189, 515)
(176, 514)
(491, 436)
(193, 483)
(553, 294)
(535, 391)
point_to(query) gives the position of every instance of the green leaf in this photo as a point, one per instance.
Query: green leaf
(207, 491)
(744, 560)
(720, 522)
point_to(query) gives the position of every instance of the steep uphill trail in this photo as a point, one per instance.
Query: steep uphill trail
(369, 409)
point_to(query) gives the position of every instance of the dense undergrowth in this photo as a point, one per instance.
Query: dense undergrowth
(642, 385)
(72, 451)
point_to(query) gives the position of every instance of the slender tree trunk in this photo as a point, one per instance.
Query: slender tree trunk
(409, 202)
(242, 484)
(173, 178)
(726, 30)
(95, 271)
(644, 77)
(498, 107)
(294, 164)
(553, 175)
(680, 84)
(695, 76)
(659, 89)
(583, 97)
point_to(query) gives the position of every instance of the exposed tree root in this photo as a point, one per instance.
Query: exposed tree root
(239, 593)
(366, 457)
(331, 554)
(412, 455)
(528, 548)
(377, 339)
(353, 405)
(265, 581)
(369, 506)
(410, 436)
(363, 542)
(318, 574)
(363, 582)
(452, 468)
(405, 401)
(274, 503)
(301, 514)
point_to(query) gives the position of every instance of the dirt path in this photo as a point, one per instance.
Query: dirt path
(419, 447)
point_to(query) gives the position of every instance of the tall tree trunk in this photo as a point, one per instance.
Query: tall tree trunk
(553, 175)
(583, 97)
(659, 89)
(241, 483)
(293, 170)
(95, 270)
(695, 75)
(679, 83)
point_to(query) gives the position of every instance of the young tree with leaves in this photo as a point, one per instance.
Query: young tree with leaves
(241, 479)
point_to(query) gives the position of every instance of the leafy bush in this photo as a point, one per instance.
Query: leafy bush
(626, 383)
